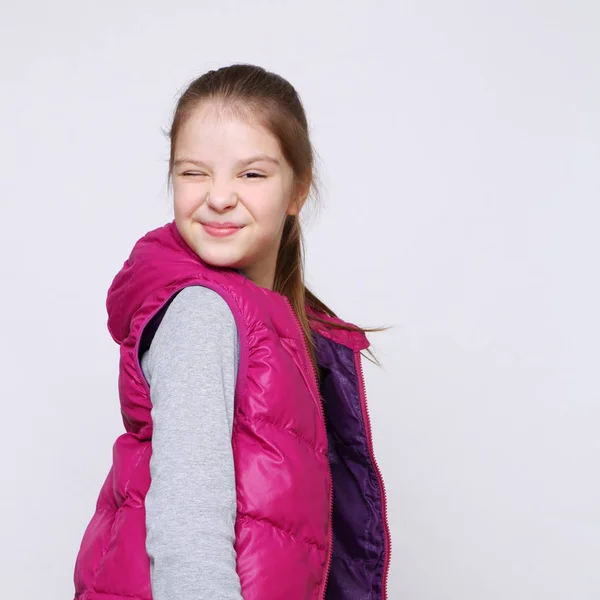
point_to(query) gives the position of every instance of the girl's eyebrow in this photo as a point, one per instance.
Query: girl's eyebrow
(240, 163)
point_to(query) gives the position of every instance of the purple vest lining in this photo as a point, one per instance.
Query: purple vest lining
(358, 558)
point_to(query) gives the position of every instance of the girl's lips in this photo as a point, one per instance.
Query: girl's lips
(220, 231)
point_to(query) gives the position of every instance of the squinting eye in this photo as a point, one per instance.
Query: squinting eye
(255, 175)
(192, 174)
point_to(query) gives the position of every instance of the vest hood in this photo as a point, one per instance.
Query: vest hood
(144, 272)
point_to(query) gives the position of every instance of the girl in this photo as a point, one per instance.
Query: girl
(247, 467)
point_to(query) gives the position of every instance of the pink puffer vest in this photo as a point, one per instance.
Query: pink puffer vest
(308, 527)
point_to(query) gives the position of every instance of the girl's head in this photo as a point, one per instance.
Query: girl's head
(222, 120)
(241, 154)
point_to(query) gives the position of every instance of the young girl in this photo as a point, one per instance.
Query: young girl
(247, 467)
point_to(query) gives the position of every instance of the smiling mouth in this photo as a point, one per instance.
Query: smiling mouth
(221, 231)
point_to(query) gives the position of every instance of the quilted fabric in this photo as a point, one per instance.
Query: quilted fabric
(285, 540)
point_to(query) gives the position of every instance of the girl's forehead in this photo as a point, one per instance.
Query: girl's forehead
(216, 113)
(203, 128)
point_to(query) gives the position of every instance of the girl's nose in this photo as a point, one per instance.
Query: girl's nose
(221, 197)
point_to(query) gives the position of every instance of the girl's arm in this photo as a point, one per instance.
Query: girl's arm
(191, 367)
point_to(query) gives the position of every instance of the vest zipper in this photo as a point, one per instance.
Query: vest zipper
(330, 524)
(367, 420)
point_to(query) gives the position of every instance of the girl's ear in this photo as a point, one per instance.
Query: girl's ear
(295, 206)
(298, 200)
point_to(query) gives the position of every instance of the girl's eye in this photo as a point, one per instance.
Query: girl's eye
(197, 174)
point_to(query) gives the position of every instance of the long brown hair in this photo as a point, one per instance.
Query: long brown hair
(251, 91)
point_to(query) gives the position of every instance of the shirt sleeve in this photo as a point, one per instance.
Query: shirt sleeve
(191, 367)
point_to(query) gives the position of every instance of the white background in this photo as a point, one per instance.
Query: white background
(460, 148)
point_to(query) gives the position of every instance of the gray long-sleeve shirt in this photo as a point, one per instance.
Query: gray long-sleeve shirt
(191, 367)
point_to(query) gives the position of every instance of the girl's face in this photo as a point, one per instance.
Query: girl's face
(227, 170)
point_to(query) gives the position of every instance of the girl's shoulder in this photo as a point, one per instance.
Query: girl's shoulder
(196, 315)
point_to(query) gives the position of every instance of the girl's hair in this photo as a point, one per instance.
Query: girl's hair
(250, 92)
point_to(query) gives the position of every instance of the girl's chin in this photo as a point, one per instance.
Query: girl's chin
(220, 259)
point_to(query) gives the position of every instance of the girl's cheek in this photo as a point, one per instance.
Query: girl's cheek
(187, 202)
